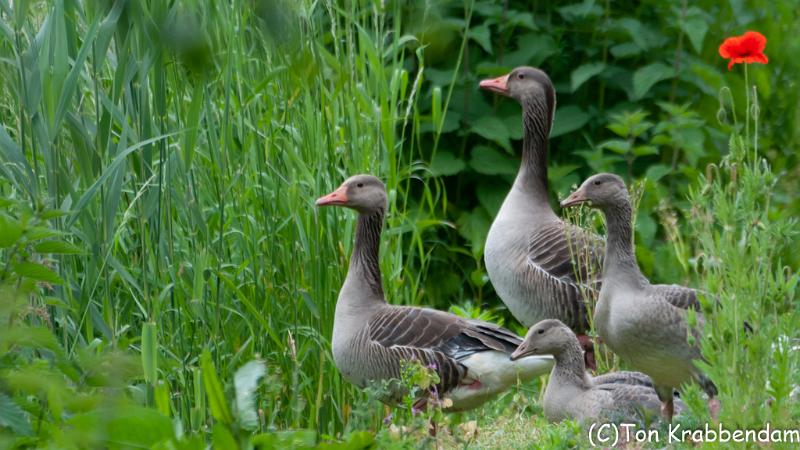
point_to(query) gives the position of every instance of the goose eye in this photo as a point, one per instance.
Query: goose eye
(360, 185)
(598, 183)
(541, 331)
(520, 76)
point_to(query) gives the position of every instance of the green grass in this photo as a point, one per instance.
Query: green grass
(186, 145)
(174, 152)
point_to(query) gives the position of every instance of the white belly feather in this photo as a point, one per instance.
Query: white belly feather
(491, 372)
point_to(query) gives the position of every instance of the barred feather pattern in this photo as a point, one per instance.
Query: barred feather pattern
(367, 249)
(372, 338)
(541, 267)
(436, 339)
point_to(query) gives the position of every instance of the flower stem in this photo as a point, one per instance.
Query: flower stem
(755, 124)
(746, 111)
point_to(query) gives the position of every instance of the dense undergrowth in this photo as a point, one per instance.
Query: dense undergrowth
(166, 280)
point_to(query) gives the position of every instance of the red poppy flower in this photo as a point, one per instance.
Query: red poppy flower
(747, 48)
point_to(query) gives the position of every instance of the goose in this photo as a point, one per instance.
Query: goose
(645, 324)
(572, 394)
(540, 267)
(371, 338)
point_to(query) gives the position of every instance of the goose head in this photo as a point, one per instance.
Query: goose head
(523, 84)
(363, 193)
(548, 337)
(600, 191)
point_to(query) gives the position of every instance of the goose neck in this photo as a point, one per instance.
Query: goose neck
(570, 368)
(364, 273)
(620, 260)
(536, 122)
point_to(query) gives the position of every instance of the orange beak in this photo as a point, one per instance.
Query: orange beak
(499, 85)
(337, 197)
(575, 198)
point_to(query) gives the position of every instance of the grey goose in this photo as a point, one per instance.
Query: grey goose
(371, 337)
(540, 267)
(645, 324)
(572, 394)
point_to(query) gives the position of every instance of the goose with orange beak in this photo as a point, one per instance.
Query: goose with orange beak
(540, 267)
(372, 338)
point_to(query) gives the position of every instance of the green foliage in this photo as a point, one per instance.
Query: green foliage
(611, 62)
(741, 242)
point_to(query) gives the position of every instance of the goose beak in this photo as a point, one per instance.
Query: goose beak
(337, 197)
(521, 352)
(499, 85)
(575, 198)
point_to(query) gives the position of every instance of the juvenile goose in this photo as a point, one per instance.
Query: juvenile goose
(643, 323)
(572, 393)
(372, 337)
(539, 265)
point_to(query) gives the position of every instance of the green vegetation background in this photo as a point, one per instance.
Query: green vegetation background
(174, 150)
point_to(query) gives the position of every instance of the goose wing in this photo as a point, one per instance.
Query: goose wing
(632, 398)
(564, 263)
(623, 377)
(437, 339)
(678, 296)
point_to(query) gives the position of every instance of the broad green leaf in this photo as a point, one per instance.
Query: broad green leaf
(245, 381)
(130, 426)
(695, 28)
(621, 129)
(645, 77)
(445, 163)
(222, 439)
(14, 417)
(37, 272)
(290, 439)
(587, 8)
(514, 126)
(52, 213)
(489, 161)
(584, 73)
(644, 36)
(491, 196)
(216, 396)
(161, 395)
(532, 49)
(359, 440)
(625, 50)
(656, 172)
(473, 226)
(567, 119)
(523, 19)
(482, 36)
(493, 129)
(10, 231)
(643, 150)
(38, 233)
(32, 337)
(150, 352)
(57, 247)
(617, 146)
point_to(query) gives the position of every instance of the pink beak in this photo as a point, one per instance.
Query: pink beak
(499, 85)
(574, 198)
(337, 197)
